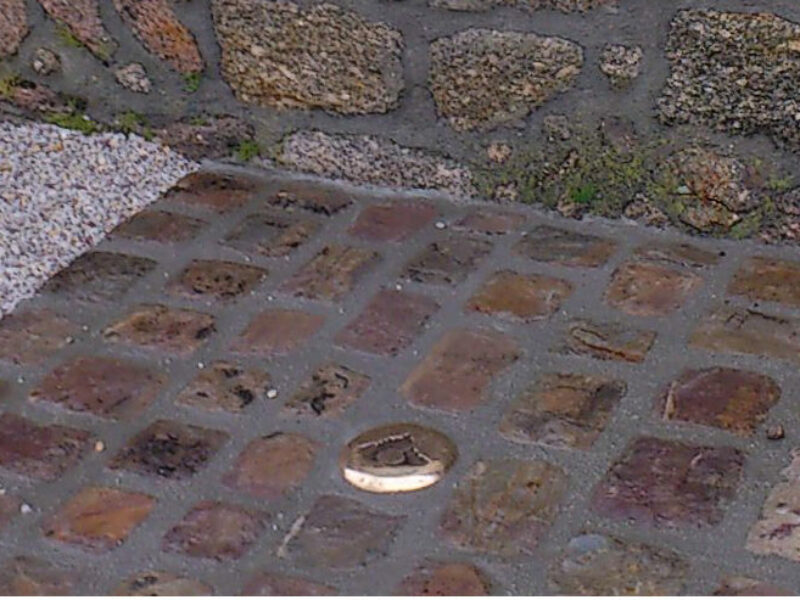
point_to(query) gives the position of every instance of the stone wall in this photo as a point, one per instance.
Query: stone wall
(681, 112)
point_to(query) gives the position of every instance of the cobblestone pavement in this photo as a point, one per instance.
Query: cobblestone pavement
(622, 402)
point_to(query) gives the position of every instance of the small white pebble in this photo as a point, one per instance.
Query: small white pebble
(272, 393)
(440, 225)
(201, 365)
(99, 446)
(20, 379)
(26, 509)
(398, 287)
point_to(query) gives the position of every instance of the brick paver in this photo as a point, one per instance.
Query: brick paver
(180, 402)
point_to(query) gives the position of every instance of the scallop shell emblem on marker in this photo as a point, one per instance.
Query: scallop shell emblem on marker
(401, 457)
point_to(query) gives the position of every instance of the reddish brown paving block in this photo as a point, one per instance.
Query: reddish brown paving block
(99, 277)
(448, 262)
(217, 280)
(563, 410)
(735, 585)
(216, 530)
(39, 451)
(650, 290)
(677, 254)
(522, 297)
(670, 484)
(158, 583)
(742, 331)
(341, 533)
(31, 576)
(274, 584)
(393, 222)
(173, 330)
(332, 273)
(272, 234)
(82, 18)
(277, 331)
(769, 280)
(459, 368)
(160, 226)
(13, 26)
(154, 23)
(225, 386)
(595, 564)
(9, 508)
(328, 392)
(272, 466)
(32, 336)
(777, 532)
(170, 450)
(606, 341)
(213, 191)
(504, 507)
(389, 323)
(311, 197)
(105, 387)
(445, 579)
(490, 222)
(560, 246)
(720, 397)
(98, 519)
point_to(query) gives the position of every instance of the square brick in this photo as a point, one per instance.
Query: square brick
(328, 392)
(560, 246)
(157, 583)
(278, 331)
(650, 290)
(212, 191)
(174, 330)
(745, 586)
(445, 579)
(595, 564)
(31, 576)
(447, 262)
(777, 532)
(720, 397)
(159, 226)
(393, 222)
(105, 387)
(389, 323)
(271, 234)
(340, 533)
(216, 280)
(311, 197)
(742, 331)
(670, 484)
(273, 584)
(456, 374)
(504, 507)
(225, 386)
(217, 531)
(332, 273)
(677, 254)
(169, 449)
(520, 297)
(99, 277)
(272, 466)
(606, 341)
(563, 410)
(31, 337)
(768, 280)
(39, 451)
(490, 222)
(98, 518)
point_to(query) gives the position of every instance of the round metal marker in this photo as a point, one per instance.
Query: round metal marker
(402, 457)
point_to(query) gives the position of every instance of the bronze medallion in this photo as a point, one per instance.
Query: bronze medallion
(402, 457)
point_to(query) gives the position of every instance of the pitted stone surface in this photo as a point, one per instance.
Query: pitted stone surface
(328, 392)
(225, 386)
(768, 280)
(521, 297)
(277, 54)
(565, 6)
(560, 246)
(31, 576)
(31, 337)
(445, 579)
(481, 79)
(606, 341)
(159, 327)
(13, 26)
(82, 19)
(162, 584)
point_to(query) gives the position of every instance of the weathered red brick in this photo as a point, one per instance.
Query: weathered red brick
(677, 254)
(312, 197)
(458, 370)
(393, 222)
(158, 583)
(277, 331)
(769, 280)
(745, 586)
(491, 222)
(173, 330)
(217, 280)
(523, 297)
(445, 579)
(273, 584)
(328, 392)
(560, 246)
(225, 386)
(32, 336)
(31, 576)
(160, 226)
(389, 323)
(606, 341)
(448, 262)
(213, 191)
(650, 290)
(332, 273)
(272, 233)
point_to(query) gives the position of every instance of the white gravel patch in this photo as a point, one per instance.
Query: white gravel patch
(61, 192)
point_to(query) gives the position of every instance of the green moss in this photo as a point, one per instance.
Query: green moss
(75, 121)
(132, 122)
(247, 150)
(8, 83)
(191, 82)
(66, 37)
(199, 121)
